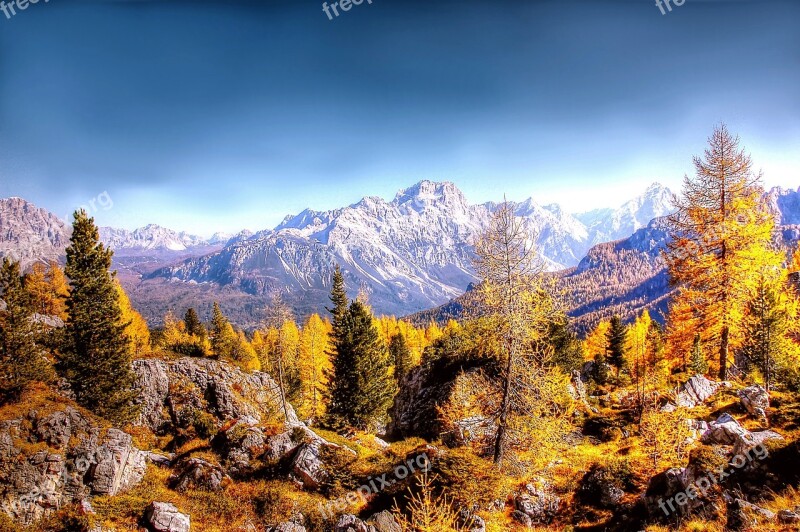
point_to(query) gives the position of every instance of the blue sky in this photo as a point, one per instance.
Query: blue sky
(208, 116)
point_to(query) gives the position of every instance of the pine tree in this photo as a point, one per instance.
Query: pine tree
(567, 349)
(338, 297)
(400, 355)
(21, 360)
(616, 343)
(698, 365)
(720, 234)
(361, 387)
(97, 355)
(193, 325)
(768, 325)
(223, 337)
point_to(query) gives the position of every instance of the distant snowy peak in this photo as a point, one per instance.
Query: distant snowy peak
(785, 205)
(30, 234)
(150, 237)
(613, 224)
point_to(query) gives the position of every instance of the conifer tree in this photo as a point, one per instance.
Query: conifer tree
(193, 325)
(223, 337)
(21, 360)
(767, 326)
(720, 234)
(400, 355)
(698, 365)
(616, 343)
(361, 387)
(97, 355)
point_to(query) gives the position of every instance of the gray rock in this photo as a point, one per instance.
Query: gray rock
(307, 467)
(755, 399)
(78, 461)
(119, 466)
(289, 527)
(788, 517)
(724, 431)
(164, 517)
(207, 385)
(195, 473)
(538, 504)
(696, 391)
(384, 522)
(351, 523)
(751, 440)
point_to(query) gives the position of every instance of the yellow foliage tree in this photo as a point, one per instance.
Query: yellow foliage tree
(720, 235)
(314, 364)
(136, 329)
(48, 288)
(596, 342)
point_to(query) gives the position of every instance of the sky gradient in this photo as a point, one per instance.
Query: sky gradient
(207, 116)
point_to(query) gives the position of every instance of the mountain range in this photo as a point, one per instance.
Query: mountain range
(410, 254)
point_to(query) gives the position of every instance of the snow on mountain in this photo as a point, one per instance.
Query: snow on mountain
(408, 253)
(605, 225)
(785, 205)
(29, 234)
(151, 237)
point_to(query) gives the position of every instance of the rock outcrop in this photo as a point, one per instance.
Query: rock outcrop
(755, 399)
(56, 455)
(696, 391)
(172, 391)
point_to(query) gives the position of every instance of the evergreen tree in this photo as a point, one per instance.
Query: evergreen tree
(338, 297)
(400, 354)
(21, 360)
(223, 337)
(767, 327)
(97, 355)
(361, 387)
(698, 365)
(193, 325)
(616, 343)
(567, 349)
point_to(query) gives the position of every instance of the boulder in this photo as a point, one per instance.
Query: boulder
(745, 515)
(789, 517)
(384, 522)
(351, 523)
(194, 473)
(164, 517)
(724, 431)
(749, 441)
(600, 488)
(538, 504)
(308, 468)
(755, 399)
(205, 385)
(289, 527)
(696, 391)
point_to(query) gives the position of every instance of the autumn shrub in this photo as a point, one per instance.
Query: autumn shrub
(470, 478)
